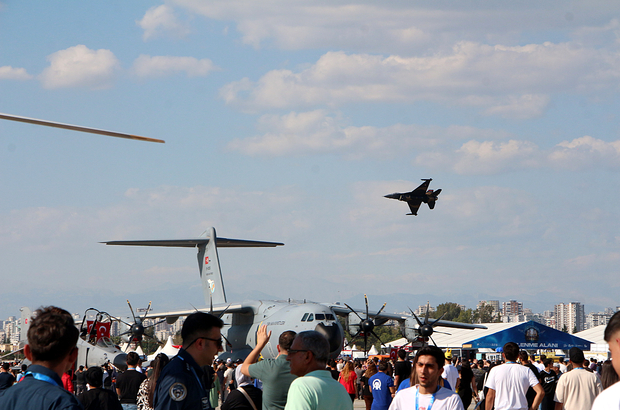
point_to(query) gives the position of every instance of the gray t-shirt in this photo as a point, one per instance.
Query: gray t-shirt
(276, 377)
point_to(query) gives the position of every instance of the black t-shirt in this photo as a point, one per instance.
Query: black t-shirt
(236, 399)
(466, 377)
(6, 380)
(479, 376)
(80, 378)
(129, 383)
(100, 399)
(402, 369)
(548, 382)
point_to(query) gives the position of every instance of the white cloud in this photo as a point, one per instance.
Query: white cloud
(80, 66)
(318, 132)
(11, 73)
(507, 81)
(160, 66)
(585, 152)
(394, 26)
(492, 157)
(160, 19)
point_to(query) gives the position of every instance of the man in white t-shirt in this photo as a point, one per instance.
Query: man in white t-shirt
(428, 365)
(450, 373)
(509, 382)
(578, 388)
(610, 397)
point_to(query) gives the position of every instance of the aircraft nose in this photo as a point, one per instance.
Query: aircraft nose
(334, 335)
(120, 361)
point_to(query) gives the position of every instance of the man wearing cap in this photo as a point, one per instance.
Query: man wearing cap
(578, 388)
(450, 373)
(610, 398)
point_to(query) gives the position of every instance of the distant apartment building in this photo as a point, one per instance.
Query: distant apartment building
(570, 317)
(512, 308)
(422, 310)
(597, 319)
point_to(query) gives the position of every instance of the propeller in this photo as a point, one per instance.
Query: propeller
(425, 330)
(367, 325)
(137, 330)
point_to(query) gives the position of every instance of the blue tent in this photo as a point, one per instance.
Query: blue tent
(530, 336)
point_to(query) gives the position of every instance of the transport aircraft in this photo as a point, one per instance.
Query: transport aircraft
(243, 319)
(415, 198)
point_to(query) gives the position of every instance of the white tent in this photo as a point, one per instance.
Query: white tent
(373, 351)
(169, 348)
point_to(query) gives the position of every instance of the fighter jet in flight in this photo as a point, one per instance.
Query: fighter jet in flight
(415, 198)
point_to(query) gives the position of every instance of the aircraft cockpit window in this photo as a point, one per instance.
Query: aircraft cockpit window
(320, 316)
(310, 318)
(303, 319)
(330, 316)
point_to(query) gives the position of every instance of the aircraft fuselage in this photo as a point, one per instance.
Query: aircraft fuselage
(279, 316)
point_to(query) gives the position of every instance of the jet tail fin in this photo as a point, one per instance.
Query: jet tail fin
(24, 324)
(208, 260)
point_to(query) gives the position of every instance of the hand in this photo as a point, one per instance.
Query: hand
(262, 337)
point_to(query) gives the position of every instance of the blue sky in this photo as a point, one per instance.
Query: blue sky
(288, 121)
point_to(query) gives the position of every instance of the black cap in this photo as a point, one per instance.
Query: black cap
(575, 355)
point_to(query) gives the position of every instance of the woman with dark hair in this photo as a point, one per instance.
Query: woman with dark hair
(467, 385)
(148, 386)
(366, 392)
(608, 374)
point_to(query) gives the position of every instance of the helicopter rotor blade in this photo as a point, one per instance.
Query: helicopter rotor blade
(76, 128)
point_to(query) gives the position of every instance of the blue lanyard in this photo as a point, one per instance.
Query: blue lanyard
(43, 377)
(417, 398)
(193, 371)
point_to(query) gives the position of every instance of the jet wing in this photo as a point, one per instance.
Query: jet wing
(421, 190)
(414, 205)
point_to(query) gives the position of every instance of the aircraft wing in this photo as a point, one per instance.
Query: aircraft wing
(217, 310)
(421, 190)
(414, 205)
(192, 243)
(384, 317)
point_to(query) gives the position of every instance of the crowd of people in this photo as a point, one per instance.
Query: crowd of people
(302, 376)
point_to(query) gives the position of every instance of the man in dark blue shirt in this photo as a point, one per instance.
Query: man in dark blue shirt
(6, 378)
(180, 383)
(51, 348)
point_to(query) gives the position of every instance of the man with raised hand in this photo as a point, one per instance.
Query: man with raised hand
(428, 367)
(275, 374)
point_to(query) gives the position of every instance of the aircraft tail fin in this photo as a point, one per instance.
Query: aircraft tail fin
(431, 204)
(208, 260)
(24, 324)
